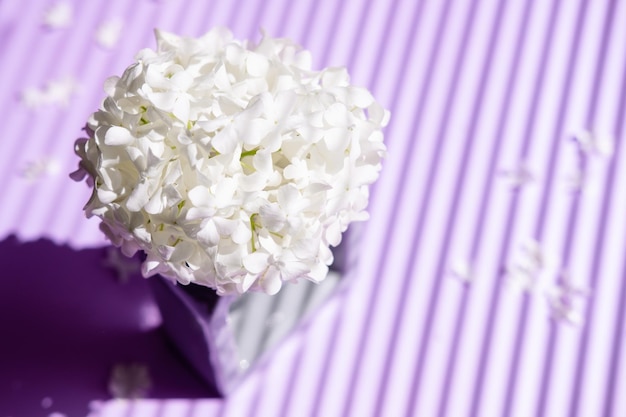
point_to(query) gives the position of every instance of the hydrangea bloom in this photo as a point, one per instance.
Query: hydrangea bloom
(231, 165)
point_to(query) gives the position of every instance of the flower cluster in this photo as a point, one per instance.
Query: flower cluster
(231, 165)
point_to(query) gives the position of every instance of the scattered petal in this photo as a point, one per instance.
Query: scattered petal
(592, 144)
(44, 167)
(518, 177)
(566, 300)
(123, 267)
(129, 381)
(56, 92)
(46, 402)
(109, 33)
(461, 270)
(59, 16)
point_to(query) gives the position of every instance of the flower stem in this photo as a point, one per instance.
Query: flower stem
(251, 152)
(253, 228)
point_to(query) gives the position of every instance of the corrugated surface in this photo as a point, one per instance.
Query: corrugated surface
(479, 91)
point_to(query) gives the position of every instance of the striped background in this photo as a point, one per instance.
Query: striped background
(475, 88)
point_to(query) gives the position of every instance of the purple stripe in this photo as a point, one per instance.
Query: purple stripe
(442, 135)
(599, 243)
(620, 329)
(335, 26)
(26, 200)
(477, 105)
(21, 71)
(23, 39)
(434, 54)
(494, 304)
(618, 339)
(486, 194)
(311, 17)
(283, 19)
(259, 13)
(574, 210)
(234, 13)
(395, 207)
(71, 62)
(540, 229)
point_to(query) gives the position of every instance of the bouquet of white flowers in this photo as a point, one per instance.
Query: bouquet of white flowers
(231, 165)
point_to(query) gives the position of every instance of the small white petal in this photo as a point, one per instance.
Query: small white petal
(241, 233)
(256, 64)
(360, 97)
(272, 217)
(200, 196)
(336, 139)
(208, 234)
(59, 16)
(181, 109)
(106, 196)
(335, 77)
(118, 136)
(256, 262)
(247, 282)
(138, 197)
(182, 251)
(338, 116)
(195, 213)
(333, 234)
(318, 273)
(108, 33)
(156, 204)
(271, 282)
(225, 141)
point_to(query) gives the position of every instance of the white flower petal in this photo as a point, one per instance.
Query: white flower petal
(335, 77)
(337, 115)
(225, 141)
(200, 196)
(271, 282)
(182, 251)
(241, 233)
(138, 197)
(318, 273)
(208, 234)
(256, 262)
(272, 217)
(256, 64)
(337, 139)
(181, 109)
(106, 196)
(118, 136)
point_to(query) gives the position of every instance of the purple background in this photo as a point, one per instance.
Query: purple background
(475, 88)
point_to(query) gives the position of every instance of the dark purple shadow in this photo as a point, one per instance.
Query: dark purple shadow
(66, 320)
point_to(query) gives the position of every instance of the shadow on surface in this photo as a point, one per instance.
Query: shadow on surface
(66, 320)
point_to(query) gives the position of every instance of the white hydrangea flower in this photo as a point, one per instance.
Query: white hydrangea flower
(230, 164)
